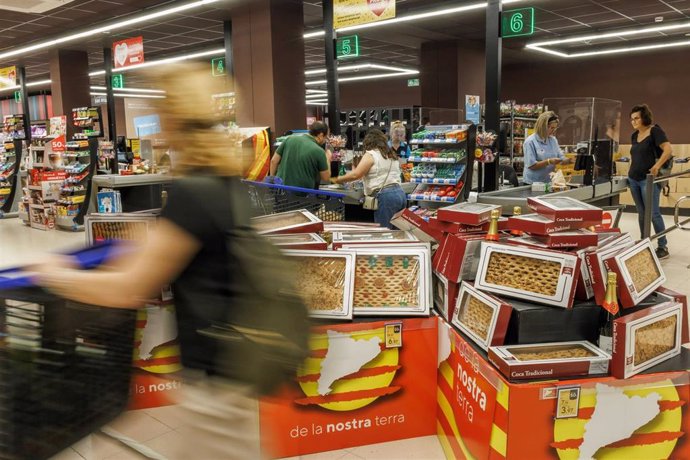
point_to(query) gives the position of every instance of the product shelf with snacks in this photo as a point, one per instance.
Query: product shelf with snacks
(45, 178)
(518, 121)
(10, 161)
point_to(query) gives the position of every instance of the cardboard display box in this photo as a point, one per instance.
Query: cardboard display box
(445, 295)
(532, 323)
(391, 236)
(457, 258)
(300, 221)
(549, 360)
(467, 213)
(646, 338)
(675, 296)
(596, 267)
(565, 209)
(541, 225)
(306, 241)
(417, 221)
(574, 239)
(482, 317)
(537, 275)
(639, 272)
(325, 280)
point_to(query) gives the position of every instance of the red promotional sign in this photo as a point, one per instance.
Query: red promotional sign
(128, 52)
(58, 144)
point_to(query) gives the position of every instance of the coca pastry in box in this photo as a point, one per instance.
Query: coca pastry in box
(595, 263)
(577, 239)
(542, 225)
(565, 209)
(417, 221)
(308, 241)
(445, 295)
(457, 258)
(392, 281)
(325, 280)
(391, 236)
(672, 295)
(639, 272)
(467, 213)
(537, 275)
(482, 317)
(646, 338)
(300, 221)
(549, 360)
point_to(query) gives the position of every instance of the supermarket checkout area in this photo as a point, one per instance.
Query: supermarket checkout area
(138, 192)
(603, 192)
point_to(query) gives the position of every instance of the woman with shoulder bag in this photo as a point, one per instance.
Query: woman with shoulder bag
(647, 141)
(380, 170)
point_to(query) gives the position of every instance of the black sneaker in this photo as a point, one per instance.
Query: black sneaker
(662, 253)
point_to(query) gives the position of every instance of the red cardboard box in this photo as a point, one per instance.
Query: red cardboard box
(536, 275)
(639, 272)
(457, 257)
(389, 237)
(584, 289)
(536, 361)
(682, 299)
(307, 241)
(573, 239)
(541, 225)
(482, 317)
(417, 221)
(299, 221)
(645, 338)
(597, 269)
(565, 209)
(445, 295)
(467, 213)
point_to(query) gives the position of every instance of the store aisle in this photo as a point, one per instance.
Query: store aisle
(161, 428)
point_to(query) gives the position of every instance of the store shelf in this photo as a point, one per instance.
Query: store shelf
(525, 118)
(436, 141)
(434, 181)
(434, 160)
(440, 199)
(65, 221)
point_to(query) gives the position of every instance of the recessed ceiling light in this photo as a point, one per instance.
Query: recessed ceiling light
(659, 19)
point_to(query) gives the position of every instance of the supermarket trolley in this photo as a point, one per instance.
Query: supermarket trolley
(269, 198)
(64, 366)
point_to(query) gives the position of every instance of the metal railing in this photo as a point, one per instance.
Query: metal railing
(649, 198)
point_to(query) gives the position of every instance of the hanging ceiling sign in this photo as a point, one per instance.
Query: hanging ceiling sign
(128, 52)
(8, 77)
(517, 23)
(355, 12)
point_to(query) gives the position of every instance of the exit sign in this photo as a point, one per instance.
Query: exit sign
(413, 82)
(516, 23)
(18, 97)
(218, 68)
(347, 47)
(118, 81)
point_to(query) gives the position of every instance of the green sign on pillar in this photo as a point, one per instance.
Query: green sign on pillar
(347, 47)
(18, 97)
(517, 23)
(118, 81)
(218, 68)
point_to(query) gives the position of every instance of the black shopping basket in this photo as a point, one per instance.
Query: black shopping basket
(267, 198)
(64, 366)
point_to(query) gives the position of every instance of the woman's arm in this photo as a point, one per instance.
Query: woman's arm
(665, 156)
(362, 169)
(138, 277)
(530, 153)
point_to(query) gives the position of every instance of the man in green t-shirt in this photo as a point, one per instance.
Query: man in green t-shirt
(301, 161)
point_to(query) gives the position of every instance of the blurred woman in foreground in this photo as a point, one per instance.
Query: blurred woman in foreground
(189, 249)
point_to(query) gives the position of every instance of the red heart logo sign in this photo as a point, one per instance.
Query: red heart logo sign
(378, 6)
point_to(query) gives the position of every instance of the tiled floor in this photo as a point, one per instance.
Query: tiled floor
(161, 429)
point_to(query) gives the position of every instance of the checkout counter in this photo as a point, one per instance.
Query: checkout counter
(138, 192)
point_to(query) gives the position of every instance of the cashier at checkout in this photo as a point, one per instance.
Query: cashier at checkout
(541, 151)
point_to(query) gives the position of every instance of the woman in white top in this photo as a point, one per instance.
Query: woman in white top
(380, 171)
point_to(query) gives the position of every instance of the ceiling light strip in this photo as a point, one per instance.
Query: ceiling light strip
(130, 90)
(135, 96)
(365, 77)
(106, 28)
(408, 18)
(184, 57)
(622, 33)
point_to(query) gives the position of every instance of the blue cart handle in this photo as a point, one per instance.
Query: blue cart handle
(287, 188)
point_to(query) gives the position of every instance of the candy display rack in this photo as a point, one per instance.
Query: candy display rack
(518, 120)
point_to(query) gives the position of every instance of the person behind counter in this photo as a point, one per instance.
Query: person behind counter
(649, 152)
(380, 170)
(398, 142)
(541, 150)
(301, 160)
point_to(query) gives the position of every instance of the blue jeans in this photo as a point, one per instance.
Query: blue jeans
(391, 200)
(637, 188)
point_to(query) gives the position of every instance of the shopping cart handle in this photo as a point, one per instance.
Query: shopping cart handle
(287, 188)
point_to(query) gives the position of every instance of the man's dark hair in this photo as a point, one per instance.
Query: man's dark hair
(645, 114)
(318, 127)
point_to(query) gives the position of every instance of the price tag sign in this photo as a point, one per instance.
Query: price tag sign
(58, 144)
(393, 335)
(517, 23)
(568, 402)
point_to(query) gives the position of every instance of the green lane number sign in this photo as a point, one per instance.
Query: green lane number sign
(517, 23)
(218, 68)
(118, 81)
(347, 47)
